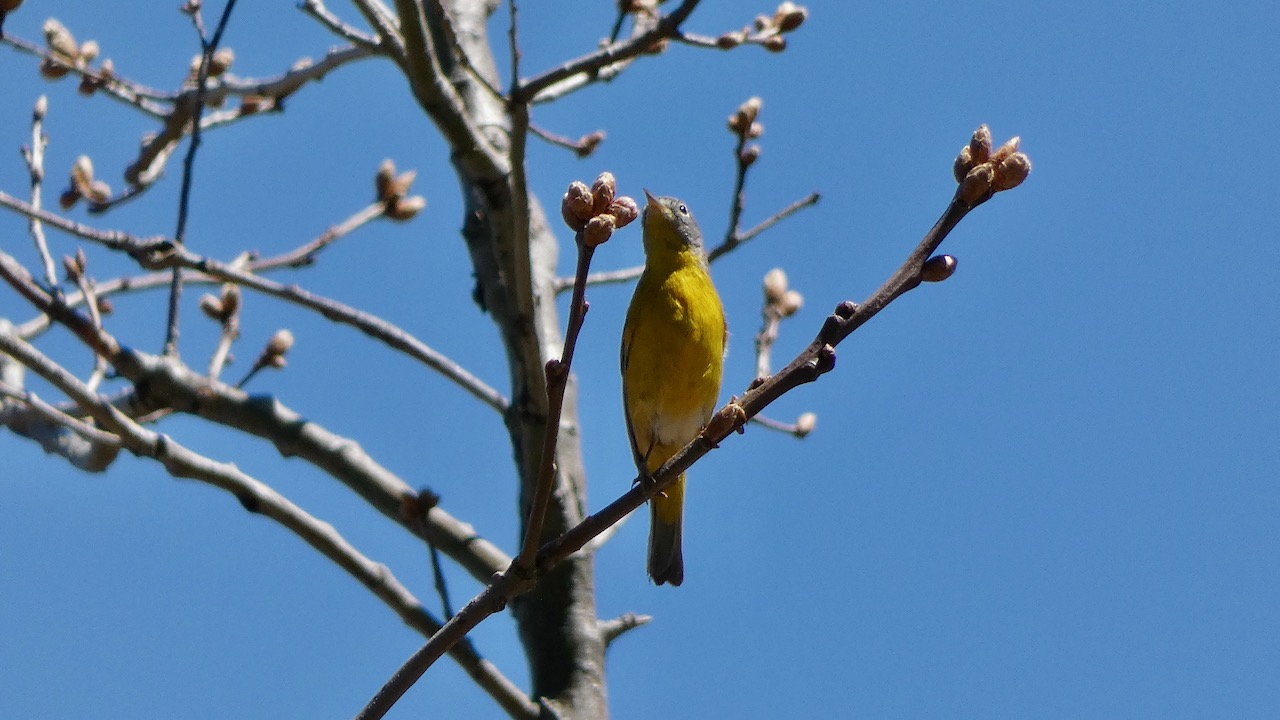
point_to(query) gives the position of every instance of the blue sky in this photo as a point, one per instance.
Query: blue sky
(1044, 488)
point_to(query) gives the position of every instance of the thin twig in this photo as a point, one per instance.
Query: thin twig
(667, 26)
(582, 147)
(208, 48)
(737, 239)
(34, 157)
(557, 379)
(317, 10)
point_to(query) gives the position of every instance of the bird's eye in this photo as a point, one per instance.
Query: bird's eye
(684, 210)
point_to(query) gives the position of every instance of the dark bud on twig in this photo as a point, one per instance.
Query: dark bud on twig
(775, 43)
(938, 268)
(382, 180)
(730, 40)
(749, 155)
(68, 198)
(789, 16)
(190, 7)
(587, 144)
(403, 208)
(99, 192)
(826, 359)
(41, 108)
(51, 69)
(277, 347)
(846, 309)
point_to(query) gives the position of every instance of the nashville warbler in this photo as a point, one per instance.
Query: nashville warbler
(672, 353)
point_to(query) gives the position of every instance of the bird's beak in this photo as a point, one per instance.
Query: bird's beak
(651, 200)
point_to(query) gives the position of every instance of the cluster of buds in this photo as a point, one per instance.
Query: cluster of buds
(392, 191)
(983, 172)
(743, 124)
(767, 31)
(219, 63)
(65, 53)
(595, 212)
(223, 308)
(83, 185)
(75, 266)
(273, 354)
(779, 299)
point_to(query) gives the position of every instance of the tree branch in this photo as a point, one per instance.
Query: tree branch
(257, 497)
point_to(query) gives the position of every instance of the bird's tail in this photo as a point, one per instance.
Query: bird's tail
(666, 518)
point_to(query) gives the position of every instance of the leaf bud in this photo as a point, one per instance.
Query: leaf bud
(68, 198)
(230, 299)
(749, 155)
(756, 130)
(60, 40)
(400, 186)
(82, 174)
(89, 51)
(211, 307)
(99, 192)
(775, 285)
(976, 186)
(41, 108)
(963, 164)
(576, 205)
(603, 191)
(221, 61)
(791, 303)
(789, 16)
(405, 208)
(980, 144)
(624, 210)
(806, 423)
(1010, 147)
(598, 230)
(938, 268)
(280, 343)
(383, 178)
(1011, 172)
(729, 40)
(587, 144)
(775, 43)
(51, 69)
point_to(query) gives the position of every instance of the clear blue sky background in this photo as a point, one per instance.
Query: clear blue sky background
(1044, 488)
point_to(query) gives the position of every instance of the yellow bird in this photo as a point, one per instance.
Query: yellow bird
(672, 354)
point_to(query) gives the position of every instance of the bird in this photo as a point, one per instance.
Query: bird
(673, 345)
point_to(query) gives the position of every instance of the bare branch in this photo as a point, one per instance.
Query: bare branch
(157, 253)
(257, 497)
